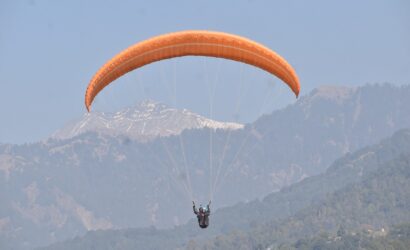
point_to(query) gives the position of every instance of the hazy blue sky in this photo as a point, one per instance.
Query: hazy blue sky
(49, 50)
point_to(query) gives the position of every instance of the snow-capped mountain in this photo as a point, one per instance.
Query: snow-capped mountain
(146, 120)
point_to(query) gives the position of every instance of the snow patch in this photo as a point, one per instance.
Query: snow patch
(146, 120)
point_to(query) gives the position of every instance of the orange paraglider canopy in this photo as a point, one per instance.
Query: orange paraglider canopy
(192, 43)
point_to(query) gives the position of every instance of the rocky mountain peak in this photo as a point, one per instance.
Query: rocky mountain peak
(145, 120)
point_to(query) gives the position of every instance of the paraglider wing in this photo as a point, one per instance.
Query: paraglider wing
(192, 43)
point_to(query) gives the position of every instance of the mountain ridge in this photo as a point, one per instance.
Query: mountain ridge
(94, 180)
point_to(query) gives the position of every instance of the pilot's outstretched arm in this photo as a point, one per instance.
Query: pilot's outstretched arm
(194, 208)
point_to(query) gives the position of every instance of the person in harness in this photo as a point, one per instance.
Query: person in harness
(202, 214)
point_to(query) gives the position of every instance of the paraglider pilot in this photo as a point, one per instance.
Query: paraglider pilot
(202, 214)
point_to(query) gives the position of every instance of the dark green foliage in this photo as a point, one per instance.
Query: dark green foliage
(380, 200)
(398, 238)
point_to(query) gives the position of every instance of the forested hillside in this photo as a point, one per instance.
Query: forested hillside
(368, 188)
